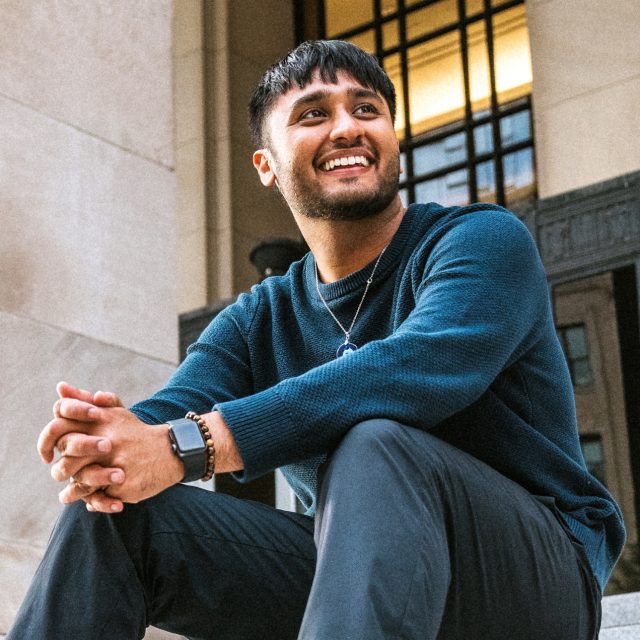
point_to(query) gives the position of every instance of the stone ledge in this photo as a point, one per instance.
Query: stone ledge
(620, 619)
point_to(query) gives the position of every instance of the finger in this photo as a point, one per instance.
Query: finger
(76, 491)
(96, 475)
(65, 390)
(79, 445)
(103, 503)
(53, 432)
(73, 409)
(106, 399)
(66, 467)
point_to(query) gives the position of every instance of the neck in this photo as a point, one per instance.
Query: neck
(341, 247)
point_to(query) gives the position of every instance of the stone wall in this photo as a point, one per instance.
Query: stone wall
(87, 211)
(586, 91)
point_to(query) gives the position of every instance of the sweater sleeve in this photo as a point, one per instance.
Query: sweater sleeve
(217, 368)
(481, 295)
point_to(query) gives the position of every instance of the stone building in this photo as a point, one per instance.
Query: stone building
(129, 206)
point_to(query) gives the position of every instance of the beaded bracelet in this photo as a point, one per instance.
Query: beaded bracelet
(208, 441)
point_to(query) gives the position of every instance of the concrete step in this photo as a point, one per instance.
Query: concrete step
(620, 620)
(621, 617)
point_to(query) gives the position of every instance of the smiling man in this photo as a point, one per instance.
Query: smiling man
(407, 378)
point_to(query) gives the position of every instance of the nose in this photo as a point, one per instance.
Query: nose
(346, 127)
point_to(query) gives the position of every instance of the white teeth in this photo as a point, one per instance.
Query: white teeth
(346, 162)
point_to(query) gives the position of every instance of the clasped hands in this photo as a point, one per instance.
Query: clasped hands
(107, 455)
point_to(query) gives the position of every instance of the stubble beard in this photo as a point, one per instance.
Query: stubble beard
(311, 202)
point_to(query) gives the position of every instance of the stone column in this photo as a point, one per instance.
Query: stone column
(586, 91)
(87, 233)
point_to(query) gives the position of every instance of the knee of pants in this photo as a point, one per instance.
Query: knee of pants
(380, 445)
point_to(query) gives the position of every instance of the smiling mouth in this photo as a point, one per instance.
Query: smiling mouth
(347, 161)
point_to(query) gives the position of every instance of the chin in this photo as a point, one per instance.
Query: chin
(350, 208)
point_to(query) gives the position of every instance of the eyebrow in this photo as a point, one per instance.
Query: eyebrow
(321, 94)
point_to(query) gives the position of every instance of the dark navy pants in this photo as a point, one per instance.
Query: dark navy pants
(413, 539)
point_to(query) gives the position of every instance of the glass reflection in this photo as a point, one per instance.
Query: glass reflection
(344, 16)
(518, 175)
(449, 190)
(439, 154)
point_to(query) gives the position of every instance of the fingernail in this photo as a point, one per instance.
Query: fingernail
(103, 446)
(116, 477)
(115, 507)
(89, 507)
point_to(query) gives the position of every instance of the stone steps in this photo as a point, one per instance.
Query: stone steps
(620, 620)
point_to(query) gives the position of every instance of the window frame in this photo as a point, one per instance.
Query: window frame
(310, 23)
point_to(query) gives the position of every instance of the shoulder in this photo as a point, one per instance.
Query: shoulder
(475, 228)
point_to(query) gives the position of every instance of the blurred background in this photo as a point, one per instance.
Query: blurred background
(130, 213)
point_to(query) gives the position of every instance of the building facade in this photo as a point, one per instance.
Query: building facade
(129, 205)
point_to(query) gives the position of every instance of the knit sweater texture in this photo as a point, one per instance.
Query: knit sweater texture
(455, 336)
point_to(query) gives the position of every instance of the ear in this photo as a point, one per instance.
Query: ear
(263, 162)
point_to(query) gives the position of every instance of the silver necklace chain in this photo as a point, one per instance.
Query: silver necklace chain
(347, 332)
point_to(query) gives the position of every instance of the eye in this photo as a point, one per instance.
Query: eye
(366, 109)
(312, 114)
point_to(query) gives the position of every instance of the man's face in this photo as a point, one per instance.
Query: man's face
(332, 150)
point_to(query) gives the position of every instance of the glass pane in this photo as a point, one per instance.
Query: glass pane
(518, 175)
(581, 372)
(515, 128)
(431, 18)
(366, 41)
(449, 190)
(439, 154)
(388, 7)
(474, 7)
(391, 65)
(390, 35)
(435, 81)
(483, 139)
(479, 78)
(403, 162)
(592, 451)
(343, 16)
(404, 197)
(576, 341)
(512, 54)
(594, 457)
(486, 181)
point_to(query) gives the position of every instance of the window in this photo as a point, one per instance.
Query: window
(462, 72)
(573, 339)
(591, 446)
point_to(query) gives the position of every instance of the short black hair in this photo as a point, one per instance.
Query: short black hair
(297, 67)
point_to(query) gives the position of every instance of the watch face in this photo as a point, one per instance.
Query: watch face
(187, 437)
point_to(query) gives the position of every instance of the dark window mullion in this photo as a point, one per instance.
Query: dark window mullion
(468, 116)
(404, 66)
(377, 24)
(495, 124)
(320, 17)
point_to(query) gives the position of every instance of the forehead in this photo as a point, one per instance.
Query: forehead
(346, 85)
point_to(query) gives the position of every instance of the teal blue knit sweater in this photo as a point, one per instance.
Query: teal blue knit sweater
(456, 336)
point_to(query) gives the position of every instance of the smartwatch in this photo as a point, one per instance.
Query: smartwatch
(188, 444)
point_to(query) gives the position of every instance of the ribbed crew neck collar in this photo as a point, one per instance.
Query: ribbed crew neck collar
(357, 279)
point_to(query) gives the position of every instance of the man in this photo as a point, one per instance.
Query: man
(405, 375)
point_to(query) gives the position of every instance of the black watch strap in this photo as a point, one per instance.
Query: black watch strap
(188, 444)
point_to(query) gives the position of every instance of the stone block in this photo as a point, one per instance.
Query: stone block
(621, 611)
(36, 355)
(597, 146)
(88, 237)
(102, 67)
(581, 46)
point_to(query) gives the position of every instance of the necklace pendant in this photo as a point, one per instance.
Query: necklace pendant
(345, 349)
